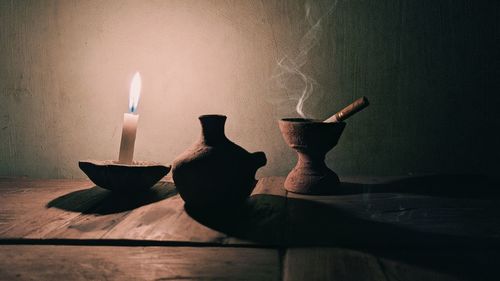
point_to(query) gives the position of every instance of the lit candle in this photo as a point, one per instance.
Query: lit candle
(129, 128)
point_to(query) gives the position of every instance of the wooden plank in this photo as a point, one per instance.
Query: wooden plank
(416, 265)
(330, 264)
(23, 205)
(438, 264)
(61, 209)
(263, 218)
(64, 210)
(377, 215)
(105, 211)
(259, 221)
(26, 262)
(166, 221)
(363, 215)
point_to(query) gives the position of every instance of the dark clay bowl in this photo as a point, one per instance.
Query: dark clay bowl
(311, 134)
(138, 176)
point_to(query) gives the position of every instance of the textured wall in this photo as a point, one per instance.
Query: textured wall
(428, 68)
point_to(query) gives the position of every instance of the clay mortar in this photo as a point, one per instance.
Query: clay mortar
(311, 139)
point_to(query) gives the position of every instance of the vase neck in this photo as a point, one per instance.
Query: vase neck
(212, 128)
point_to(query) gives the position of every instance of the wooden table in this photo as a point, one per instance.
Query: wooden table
(423, 228)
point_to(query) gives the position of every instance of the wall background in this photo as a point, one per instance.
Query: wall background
(430, 70)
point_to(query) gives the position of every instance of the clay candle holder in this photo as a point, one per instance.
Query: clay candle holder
(312, 140)
(123, 178)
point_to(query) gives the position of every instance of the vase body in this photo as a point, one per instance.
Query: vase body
(312, 140)
(214, 171)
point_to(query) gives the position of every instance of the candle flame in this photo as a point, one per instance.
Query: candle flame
(135, 92)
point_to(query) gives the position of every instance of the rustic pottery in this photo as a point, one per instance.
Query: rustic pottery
(215, 171)
(312, 140)
(138, 176)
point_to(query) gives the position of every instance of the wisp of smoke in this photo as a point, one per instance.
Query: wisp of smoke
(289, 75)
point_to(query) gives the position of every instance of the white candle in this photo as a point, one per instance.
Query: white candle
(129, 128)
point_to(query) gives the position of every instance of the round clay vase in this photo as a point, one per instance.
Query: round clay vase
(312, 140)
(215, 171)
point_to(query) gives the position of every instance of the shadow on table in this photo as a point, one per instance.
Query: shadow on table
(277, 220)
(101, 201)
(428, 221)
(303, 222)
(442, 185)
